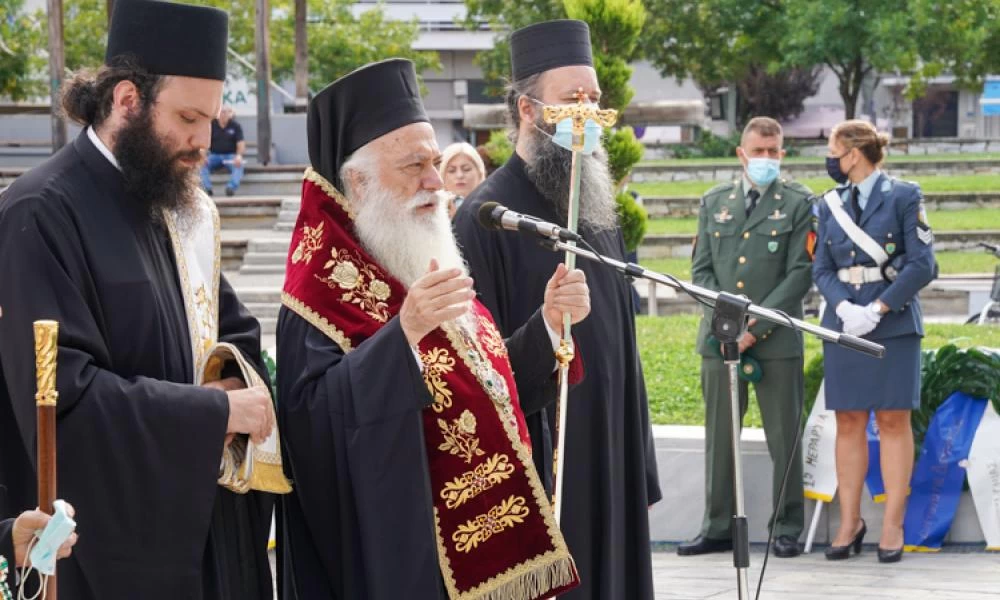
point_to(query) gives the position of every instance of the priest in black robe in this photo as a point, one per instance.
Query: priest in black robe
(84, 241)
(610, 476)
(389, 419)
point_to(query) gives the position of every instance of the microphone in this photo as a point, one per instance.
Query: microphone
(498, 216)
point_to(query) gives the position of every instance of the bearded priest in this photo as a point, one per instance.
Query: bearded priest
(399, 405)
(609, 471)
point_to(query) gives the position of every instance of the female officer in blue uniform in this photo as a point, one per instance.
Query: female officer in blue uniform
(873, 254)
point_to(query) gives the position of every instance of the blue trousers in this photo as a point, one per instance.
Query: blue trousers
(221, 161)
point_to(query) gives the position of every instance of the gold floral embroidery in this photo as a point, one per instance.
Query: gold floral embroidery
(460, 437)
(460, 490)
(492, 339)
(505, 515)
(206, 319)
(360, 284)
(310, 243)
(437, 363)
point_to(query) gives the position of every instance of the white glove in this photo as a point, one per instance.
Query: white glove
(858, 320)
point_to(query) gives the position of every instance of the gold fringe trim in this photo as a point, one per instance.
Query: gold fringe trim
(312, 176)
(534, 584)
(267, 477)
(316, 320)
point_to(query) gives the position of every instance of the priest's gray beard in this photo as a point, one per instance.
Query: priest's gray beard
(549, 170)
(402, 242)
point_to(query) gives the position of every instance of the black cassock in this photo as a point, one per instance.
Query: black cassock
(610, 469)
(359, 523)
(138, 446)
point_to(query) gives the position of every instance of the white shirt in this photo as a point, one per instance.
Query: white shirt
(102, 148)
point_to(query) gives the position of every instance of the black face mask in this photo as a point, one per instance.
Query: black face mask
(833, 169)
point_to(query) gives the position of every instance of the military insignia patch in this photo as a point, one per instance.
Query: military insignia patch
(777, 215)
(772, 247)
(811, 245)
(890, 248)
(924, 233)
(723, 216)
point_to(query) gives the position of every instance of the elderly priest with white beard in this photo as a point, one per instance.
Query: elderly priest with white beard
(399, 402)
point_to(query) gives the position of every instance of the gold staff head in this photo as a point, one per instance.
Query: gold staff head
(579, 113)
(46, 347)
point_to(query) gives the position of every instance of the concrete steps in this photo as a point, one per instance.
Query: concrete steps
(683, 206)
(31, 154)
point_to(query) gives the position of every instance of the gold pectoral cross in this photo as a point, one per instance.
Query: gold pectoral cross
(579, 113)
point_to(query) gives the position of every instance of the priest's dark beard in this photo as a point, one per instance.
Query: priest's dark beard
(153, 175)
(549, 170)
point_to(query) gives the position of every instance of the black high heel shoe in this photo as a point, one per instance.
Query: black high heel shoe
(842, 552)
(890, 556)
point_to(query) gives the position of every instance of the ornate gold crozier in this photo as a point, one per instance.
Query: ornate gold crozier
(579, 113)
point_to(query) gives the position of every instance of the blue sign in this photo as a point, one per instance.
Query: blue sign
(991, 98)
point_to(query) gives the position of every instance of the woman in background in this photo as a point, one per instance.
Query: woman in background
(462, 170)
(873, 255)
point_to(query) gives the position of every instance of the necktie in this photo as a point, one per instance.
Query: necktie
(753, 195)
(855, 204)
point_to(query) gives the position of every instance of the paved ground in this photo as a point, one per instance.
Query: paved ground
(944, 576)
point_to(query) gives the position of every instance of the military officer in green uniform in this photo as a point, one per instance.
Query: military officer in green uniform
(754, 238)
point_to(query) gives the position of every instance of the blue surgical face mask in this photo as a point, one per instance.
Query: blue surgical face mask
(564, 133)
(762, 171)
(833, 169)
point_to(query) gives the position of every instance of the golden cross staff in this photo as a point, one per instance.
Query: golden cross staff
(579, 113)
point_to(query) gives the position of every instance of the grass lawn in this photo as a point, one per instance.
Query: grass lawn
(929, 183)
(801, 160)
(672, 367)
(972, 219)
(951, 263)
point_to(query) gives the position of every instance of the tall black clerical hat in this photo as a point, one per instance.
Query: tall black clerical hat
(358, 108)
(170, 39)
(543, 46)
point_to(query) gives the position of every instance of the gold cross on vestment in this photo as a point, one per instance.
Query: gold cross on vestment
(580, 112)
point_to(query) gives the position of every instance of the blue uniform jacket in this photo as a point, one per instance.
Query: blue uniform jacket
(892, 217)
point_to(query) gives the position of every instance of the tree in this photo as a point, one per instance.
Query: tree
(779, 95)
(957, 37)
(711, 41)
(339, 42)
(856, 40)
(503, 17)
(615, 27)
(728, 43)
(21, 64)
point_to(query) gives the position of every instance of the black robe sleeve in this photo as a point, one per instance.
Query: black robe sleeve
(136, 454)
(359, 522)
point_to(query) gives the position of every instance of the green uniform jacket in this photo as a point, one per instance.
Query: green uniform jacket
(763, 257)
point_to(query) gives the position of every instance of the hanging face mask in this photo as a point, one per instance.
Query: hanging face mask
(763, 171)
(833, 168)
(564, 133)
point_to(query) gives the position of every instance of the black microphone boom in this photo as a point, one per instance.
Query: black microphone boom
(498, 216)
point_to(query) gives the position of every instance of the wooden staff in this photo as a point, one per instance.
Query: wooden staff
(579, 113)
(46, 348)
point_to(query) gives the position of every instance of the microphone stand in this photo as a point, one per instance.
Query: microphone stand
(729, 317)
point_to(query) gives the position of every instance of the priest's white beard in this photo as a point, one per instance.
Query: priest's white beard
(401, 241)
